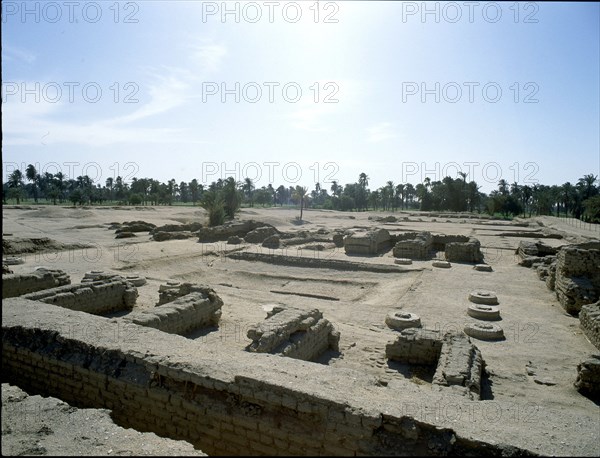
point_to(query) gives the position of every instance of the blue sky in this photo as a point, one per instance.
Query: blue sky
(385, 90)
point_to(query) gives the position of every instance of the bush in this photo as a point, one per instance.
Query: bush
(136, 199)
(212, 202)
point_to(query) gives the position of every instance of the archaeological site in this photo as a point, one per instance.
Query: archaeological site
(142, 330)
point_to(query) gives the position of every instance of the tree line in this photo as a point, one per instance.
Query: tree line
(224, 197)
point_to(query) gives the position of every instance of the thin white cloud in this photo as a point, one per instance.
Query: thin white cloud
(13, 53)
(380, 132)
(31, 123)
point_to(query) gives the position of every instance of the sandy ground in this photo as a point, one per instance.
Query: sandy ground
(538, 331)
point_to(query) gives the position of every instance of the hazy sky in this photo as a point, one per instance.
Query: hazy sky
(299, 92)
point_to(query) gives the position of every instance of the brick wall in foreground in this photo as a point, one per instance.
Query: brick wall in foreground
(221, 401)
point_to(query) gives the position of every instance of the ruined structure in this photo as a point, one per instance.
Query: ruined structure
(535, 253)
(414, 246)
(588, 377)
(589, 319)
(578, 276)
(458, 362)
(367, 243)
(294, 333)
(469, 251)
(97, 297)
(173, 290)
(222, 233)
(199, 308)
(41, 278)
(421, 245)
(230, 405)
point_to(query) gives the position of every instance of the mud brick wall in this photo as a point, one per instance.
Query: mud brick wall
(222, 402)
(577, 277)
(588, 376)
(17, 284)
(294, 333)
(368, 243)
(183, 315)
(589, 320)
(95, 297)
(439, 241)
(415, 346)
(168, 293)
(417, 248)
(460, 365)
(469, 251)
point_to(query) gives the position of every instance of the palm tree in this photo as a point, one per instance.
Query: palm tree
(586, 185)
(400, 189)
(300, 193)
(15, 183)
(231, 197)
(194, 191)
(363, 180)
(248, 188)
(32, 175)
(503, 186)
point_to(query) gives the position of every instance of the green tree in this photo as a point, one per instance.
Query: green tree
(15, 185)
(231, 197)
(212, 202)
(300, 193)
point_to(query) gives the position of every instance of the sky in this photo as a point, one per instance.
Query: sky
(296, 93)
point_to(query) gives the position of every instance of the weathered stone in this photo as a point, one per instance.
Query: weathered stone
(484, 312)
(161, 236)
(589, 319)
(481, 296)
(464, 251)
(222, 233)
(125, 235)
(458, 362)
(417, 247)
(187, 313)
(42, 278)
(190, 227)
(402, 320)
(578, 276)
(588, 376)
(259, 234)
(367, 243)
(484, 331)
(294, 333)
(271, 242)
(234, 240)
(483, 268)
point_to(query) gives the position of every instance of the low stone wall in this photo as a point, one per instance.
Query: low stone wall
(367, 243)
(458, 362)
(589, 319)
(17, 284)
(415, 346)
(226, 403)
(577, 277)
(469, 251)
(439, 241)
(535, 249)
(588, 377)
(174, 290)
(294, 333)
(318, 262)
(222, 233)
(185, 314)
(460, 365)
(95, 297)
(417, 248)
